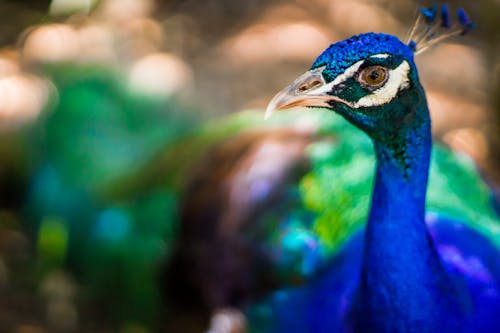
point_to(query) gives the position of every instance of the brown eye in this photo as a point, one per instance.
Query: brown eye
(373, 77)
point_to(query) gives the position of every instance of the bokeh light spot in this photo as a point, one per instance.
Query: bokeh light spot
(53, 240)
(159, 74)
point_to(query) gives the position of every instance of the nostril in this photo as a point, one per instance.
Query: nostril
(302, 88)
(308, 86)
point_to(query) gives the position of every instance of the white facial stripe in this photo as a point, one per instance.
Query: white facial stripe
(398, 80)
(349, 72)
(380, 56)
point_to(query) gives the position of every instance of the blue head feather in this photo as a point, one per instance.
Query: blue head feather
(340, 56)
(465, 21)
(413, 45)
(445, 16)
(429, 14)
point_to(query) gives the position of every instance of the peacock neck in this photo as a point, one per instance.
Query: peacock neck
(403, 283)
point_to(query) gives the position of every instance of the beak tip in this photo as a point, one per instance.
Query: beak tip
(275, 104)
(269, 112)
(289, 97)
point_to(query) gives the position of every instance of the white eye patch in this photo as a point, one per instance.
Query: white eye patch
(398, 80)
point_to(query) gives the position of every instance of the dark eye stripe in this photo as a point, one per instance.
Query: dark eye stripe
(391, 62)
(350, 90)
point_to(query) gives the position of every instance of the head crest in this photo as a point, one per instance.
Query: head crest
(429, 29)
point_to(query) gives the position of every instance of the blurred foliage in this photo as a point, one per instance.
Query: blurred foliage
(98, 123)
(92, 135)
(91, 138)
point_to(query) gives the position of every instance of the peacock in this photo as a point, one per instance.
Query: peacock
(265, 217)
(286, 222)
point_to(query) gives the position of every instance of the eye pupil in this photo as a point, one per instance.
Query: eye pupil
(374, 75)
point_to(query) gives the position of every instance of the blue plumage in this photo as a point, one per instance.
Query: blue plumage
(321, 305)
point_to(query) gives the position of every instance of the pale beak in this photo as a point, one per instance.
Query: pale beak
(309, 89)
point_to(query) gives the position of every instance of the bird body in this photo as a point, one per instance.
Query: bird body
(405, 281)
(306, 238)
(323, 304)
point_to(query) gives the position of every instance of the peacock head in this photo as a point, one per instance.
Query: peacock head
(370, 79)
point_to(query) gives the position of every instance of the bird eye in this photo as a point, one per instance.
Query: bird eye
(373, 77)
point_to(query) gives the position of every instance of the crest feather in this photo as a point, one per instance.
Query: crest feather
(428, 30)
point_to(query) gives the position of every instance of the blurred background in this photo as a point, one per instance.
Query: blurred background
(92, 90)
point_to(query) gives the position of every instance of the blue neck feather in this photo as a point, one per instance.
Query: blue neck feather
(403, 283)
